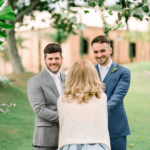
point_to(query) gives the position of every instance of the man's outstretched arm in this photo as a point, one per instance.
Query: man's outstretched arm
(120, 91)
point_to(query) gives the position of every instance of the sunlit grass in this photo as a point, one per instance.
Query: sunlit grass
(137, 105)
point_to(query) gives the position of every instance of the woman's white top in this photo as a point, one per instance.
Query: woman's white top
(83, 123)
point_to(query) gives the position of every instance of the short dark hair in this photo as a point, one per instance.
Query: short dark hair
(52, 48)
(100, 39)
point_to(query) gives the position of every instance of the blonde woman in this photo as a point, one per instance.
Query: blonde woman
(83, 110)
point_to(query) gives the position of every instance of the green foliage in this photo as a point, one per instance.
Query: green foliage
(126, 9)
(86, 11)
(128, 2)
(91, 3)
(64, 15)
(100, 4)
(5, 26)
(145, 9)
(138, 13)
(79, 26)
(63, 23)
(75, 26)
(63, 28)
(107, 27)
(110, 12)
(73, 20)
(1, 2)
(3, 35)
(5, 14)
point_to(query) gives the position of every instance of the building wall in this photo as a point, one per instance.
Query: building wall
(71, 49)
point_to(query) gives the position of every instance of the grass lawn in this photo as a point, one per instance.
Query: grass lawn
(137, 105)
(16, 128)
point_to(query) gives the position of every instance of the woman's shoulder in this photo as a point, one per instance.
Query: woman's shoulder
(60, 99)
(104, 95)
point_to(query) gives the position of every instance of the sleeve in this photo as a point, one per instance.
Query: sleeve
(105, 97)
(120, 91)
(59, 109)
(37, 102)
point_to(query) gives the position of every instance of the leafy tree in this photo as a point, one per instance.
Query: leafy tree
(63, 28)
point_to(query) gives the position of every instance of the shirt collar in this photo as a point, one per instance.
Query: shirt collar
(52, 74)
(107, 66)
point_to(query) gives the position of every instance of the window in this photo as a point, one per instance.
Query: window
(85, 46)
(112, 46)
(133, 49)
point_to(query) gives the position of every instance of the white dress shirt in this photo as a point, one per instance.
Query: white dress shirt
(57, 80)
(104, 70)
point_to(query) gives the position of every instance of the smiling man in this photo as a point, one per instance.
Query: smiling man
(43, 91)
(117, 81)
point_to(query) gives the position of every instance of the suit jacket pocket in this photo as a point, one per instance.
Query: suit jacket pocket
(43, 124)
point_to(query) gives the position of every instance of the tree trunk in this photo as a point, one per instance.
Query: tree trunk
(13, 52)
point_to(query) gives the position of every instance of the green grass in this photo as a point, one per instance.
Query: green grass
(16, 128)
(137, 105)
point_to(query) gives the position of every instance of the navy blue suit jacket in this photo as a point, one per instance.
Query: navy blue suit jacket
(116, 87)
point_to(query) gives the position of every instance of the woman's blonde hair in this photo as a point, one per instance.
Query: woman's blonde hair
(82, 82)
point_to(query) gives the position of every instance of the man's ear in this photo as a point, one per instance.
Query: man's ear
(110, 50)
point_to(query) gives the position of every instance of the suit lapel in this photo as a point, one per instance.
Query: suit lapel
(51, 82)
(109, 76)
(97, 68)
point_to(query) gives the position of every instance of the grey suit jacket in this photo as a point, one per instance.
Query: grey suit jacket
(43, 94)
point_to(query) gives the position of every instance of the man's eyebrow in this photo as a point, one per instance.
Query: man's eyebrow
(99, 50)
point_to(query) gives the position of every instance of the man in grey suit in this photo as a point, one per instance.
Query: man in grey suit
(43, 91)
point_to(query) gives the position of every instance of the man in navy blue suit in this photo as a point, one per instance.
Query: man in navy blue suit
(117, 81)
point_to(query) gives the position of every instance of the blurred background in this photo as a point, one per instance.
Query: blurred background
(34, 31)
(40, 23)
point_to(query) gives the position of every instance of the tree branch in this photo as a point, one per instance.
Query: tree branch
(11, 3)
(33, 5)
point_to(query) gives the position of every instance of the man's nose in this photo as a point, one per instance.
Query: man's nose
(53, 61)
(99, 55)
